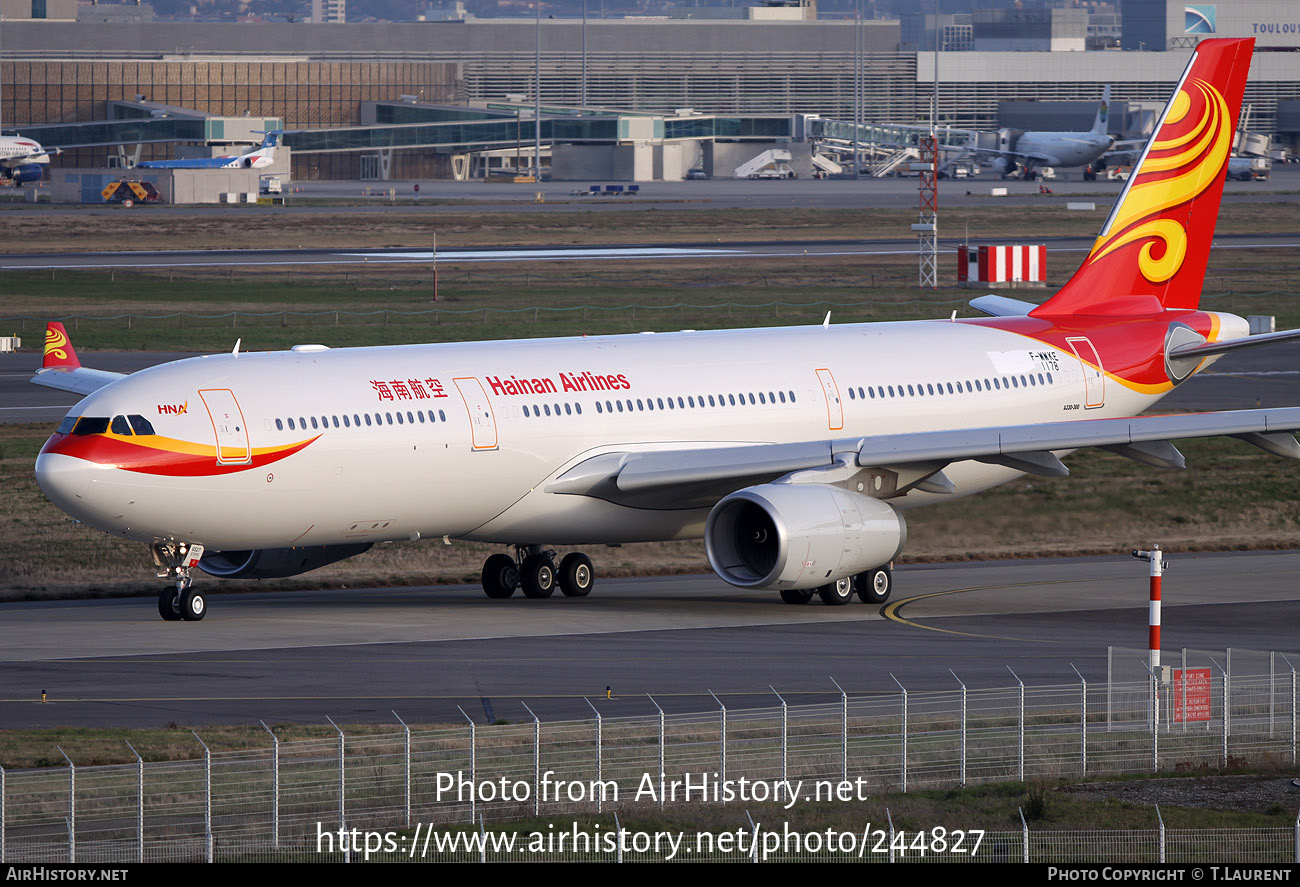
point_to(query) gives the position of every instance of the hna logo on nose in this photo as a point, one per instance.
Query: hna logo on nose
(173, 409)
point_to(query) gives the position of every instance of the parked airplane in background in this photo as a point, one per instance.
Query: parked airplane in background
(1027, 150)
(794, 452)
(262, 156)
(23, 160)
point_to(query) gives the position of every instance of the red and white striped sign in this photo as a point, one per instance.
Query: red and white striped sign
(1022, 264)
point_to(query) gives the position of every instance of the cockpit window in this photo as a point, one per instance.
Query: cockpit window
(119, 425)
(65, 427)
(91, 425)
(141, 425)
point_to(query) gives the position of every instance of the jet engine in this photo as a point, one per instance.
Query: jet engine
(275, 563)
(1003, 166)
(25, 172)
(796, 536)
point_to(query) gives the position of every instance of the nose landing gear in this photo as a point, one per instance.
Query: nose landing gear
(175, 560)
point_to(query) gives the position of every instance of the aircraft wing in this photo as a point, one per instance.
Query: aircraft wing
(694, 478)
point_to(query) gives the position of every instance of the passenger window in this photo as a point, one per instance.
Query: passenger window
(620, 406)
(336, 421)
(346, 422)
(578, 407)
(291, 428)
(431, 417)
(599, 408)
(547, 407)
(442, 417)
(389, 417)
(313, 422)
(367, 418)
(141, 425)
(119, 425)
(567, 410)
(279, 426)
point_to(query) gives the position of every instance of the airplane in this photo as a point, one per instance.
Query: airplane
(262, 156)
(795, 452)
(1055, 149)
(23, 160)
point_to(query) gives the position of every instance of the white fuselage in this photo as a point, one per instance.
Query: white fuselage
(433, 440)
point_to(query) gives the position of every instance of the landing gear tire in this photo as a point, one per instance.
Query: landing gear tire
(169, 604)
(796, 595)
(193, 605)
(576, 575)
(500, 576)
(875, 585)
(837, 594)
(537, 576)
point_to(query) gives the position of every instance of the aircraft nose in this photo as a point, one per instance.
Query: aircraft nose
(64, 480)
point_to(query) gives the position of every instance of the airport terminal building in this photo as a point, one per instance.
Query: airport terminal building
(332, 77)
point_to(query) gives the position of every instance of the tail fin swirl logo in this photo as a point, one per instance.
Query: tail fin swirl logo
(56, 340)
(1176, 170)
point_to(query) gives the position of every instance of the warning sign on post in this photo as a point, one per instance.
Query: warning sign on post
(1191, 694)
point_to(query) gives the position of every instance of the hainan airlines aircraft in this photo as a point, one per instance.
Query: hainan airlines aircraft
(796, 453)
(23, 160)
(262, 156)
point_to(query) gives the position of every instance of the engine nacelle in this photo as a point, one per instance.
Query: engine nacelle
(794, 536)
(275, 563)
(25, 172)
(1003, 165)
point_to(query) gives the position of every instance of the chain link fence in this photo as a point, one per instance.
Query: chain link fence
(250, 803)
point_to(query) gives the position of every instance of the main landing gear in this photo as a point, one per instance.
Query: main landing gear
(182, 601)
(533, 570)
(871, 587)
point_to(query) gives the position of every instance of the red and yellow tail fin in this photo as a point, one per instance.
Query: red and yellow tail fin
(1152, 251)
(58, 348)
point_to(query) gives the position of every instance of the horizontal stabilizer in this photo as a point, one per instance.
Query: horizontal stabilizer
(1002, 306)
(80, 380)
(1208, 348)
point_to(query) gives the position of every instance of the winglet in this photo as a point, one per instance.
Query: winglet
(59, 353)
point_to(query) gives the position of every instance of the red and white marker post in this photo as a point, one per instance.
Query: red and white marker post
(1156, 558)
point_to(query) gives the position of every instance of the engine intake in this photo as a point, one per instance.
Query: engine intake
(794, 536)
(275, 563)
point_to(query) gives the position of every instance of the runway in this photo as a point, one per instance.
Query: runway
(217, 258)
(357, 654)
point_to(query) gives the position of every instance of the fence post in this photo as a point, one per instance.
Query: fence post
(72, 806)
(207, 795)
(1155, 718)
(1293, 712)
(473, 761)
(1024, 835)
(963, 724)
(844, 730)
(785, 734)
(537, 761)
(722, 745)
(1272, 690)
(889, 817)
(139, 809)
(1020, 750)
(482, 833)
(406, 770)
(662, 775)
(1161, 819)
(343, 810)
(275, 786)
(1083, 722)
(1109, 682)
(1226, 700)
(618, 829)
(903, 733)
(2, 814)
(600, 756)
(1297, 835)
